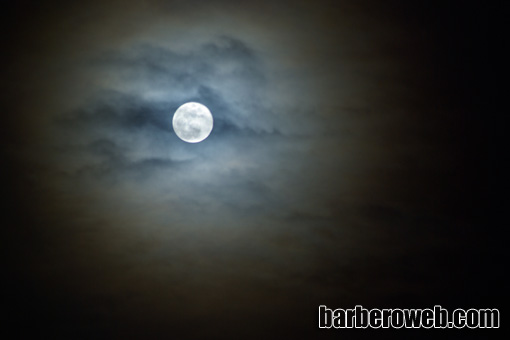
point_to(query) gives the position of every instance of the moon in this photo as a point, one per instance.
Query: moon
(192, 122)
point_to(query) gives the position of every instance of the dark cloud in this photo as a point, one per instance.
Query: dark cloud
(114, 110)
(113, 162)
(163, 67)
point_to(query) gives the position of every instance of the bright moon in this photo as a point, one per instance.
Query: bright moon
(192, 122)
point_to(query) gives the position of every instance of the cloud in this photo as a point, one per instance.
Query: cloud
(125, 126)
(223, 74)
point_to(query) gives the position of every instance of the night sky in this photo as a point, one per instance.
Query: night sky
(356, 158)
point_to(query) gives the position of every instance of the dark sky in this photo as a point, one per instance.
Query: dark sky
(356, 158)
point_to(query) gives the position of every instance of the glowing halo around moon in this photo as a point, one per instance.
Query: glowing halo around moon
(192, 122)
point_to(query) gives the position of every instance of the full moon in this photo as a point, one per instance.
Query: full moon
(192, 122)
